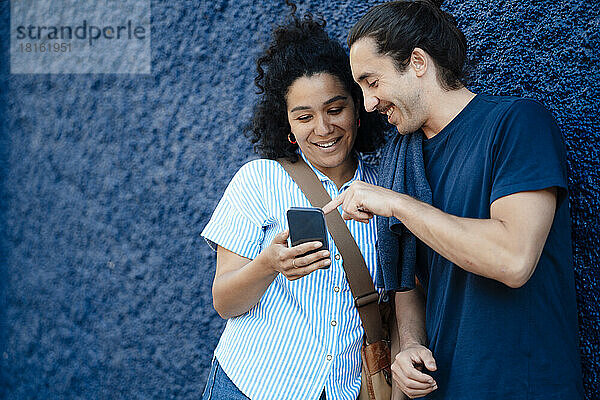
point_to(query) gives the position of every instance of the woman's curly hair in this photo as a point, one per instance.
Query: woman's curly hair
(301, 47)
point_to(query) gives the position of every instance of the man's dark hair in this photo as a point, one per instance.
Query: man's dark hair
(399, 27)
(302, 48)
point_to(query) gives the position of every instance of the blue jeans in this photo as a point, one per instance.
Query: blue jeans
(220, 387)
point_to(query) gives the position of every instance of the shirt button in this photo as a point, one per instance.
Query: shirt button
(329, 357)
(337, 257)
(336, 289)
(333, 323)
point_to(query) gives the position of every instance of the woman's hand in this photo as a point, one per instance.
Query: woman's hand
(240, 282)
(292, 262)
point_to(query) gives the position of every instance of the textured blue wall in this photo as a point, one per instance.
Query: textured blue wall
(107, 180)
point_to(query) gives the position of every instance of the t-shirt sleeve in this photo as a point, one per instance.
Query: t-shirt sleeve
(528, 152)
(237, 222)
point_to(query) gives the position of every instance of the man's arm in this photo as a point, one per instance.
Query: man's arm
(506, 247)
(408, 367)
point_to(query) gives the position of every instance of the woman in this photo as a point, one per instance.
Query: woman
(292, 331)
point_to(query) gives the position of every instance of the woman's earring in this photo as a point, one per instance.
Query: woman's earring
(291, 138)
(358, 123)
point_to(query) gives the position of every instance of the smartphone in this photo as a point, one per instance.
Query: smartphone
(307, 224)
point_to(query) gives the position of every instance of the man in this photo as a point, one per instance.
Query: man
(494, 315)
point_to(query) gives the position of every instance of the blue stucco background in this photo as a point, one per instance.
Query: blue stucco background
(106, 182)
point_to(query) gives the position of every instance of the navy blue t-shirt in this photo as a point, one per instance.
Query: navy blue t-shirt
(491, 341)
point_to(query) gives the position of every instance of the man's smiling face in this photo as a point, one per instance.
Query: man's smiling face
(385, 89)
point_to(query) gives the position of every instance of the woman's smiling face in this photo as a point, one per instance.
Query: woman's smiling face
(323, 118)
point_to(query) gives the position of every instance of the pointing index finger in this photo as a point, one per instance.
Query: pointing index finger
(333, 204)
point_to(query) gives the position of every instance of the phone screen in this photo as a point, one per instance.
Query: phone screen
(307, 224)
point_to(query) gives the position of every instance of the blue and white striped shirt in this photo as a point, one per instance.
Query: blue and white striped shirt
(303, 336)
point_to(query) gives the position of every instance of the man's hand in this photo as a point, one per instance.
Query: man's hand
(361, 201)
(407, 367)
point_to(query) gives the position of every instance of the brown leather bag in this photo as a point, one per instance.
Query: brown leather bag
(377, 317)
(376, 377)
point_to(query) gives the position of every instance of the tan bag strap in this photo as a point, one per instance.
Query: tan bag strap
(366, 298)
